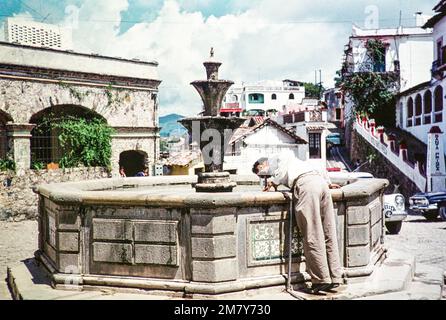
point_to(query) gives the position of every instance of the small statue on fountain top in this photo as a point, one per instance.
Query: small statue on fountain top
(212, 52)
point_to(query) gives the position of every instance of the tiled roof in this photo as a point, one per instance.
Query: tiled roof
(243, 132)
(183, 158)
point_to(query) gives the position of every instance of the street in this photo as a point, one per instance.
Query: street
(426, 240)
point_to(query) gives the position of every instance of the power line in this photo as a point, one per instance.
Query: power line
(27, 6)
(223, 23)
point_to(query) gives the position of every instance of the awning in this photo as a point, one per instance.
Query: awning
(230, 110)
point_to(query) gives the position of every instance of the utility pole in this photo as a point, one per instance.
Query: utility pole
(320, 83)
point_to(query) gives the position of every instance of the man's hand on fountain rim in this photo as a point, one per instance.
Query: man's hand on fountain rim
(334, 186)
(270, 185)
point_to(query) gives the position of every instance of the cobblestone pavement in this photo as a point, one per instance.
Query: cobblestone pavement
(426, 240)
(18, 241)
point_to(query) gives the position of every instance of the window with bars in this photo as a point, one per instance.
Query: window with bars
(314, 142)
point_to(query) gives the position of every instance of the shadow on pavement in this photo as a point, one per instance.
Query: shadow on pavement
(38, 277)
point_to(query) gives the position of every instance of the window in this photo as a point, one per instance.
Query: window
(338, 114)
(256, 98)
(234, 98)
(439, 51)
(378, 59)
(418, 109)
(273, 96)
(427, 107)
(409, 112)
(291, 96)
(438, 104)
(314, 142)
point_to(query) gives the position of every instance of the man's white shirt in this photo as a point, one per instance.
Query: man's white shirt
(286, 169)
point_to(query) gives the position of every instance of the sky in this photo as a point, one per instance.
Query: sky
(254, 39)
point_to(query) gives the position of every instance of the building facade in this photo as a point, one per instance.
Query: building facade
(334, 102)
(38, 82)
(262, 97)
(261, 138)
(36, 34)
(422, 106)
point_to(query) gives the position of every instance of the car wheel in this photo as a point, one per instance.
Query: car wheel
(431, 215)
(394, 227)
(442, 212)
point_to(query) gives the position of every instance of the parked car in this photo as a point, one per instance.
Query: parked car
(334, 139)
(429, 204)
(394, 207)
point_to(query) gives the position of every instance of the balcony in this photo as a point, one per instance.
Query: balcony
(438, 66)
(305, 116)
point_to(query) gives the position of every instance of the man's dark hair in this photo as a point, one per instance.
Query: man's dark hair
(255, 170)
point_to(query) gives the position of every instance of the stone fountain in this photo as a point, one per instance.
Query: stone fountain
(210, 124)
(159, 235)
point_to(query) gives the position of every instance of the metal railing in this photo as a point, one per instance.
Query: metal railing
(44, 150)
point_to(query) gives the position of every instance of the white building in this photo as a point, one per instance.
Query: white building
(422, 106)
(263, 96)
(20, 31)
(407, 52)
(334, 101)
(313, 126)
(261, 138)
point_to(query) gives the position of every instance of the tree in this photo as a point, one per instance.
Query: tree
(312, 90)
(374, 94)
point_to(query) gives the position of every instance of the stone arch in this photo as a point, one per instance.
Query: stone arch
(4, 119)
(45, 146)
(133, 161)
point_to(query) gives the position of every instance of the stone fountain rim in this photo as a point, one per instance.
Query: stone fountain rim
(92, 192)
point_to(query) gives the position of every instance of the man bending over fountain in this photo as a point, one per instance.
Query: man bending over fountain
(313, 208)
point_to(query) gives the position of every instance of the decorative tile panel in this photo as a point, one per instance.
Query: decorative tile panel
(267, 242)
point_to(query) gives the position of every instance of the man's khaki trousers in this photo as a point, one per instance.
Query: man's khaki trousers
(316, 220)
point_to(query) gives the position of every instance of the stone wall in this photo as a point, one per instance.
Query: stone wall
(381, 167)
(22, 99)
(19, 202)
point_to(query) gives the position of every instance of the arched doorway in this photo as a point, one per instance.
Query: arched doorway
(45, 144)
(132, 162)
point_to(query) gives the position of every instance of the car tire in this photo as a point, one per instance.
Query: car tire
(431, 215)
(442, 212)
(394, 227)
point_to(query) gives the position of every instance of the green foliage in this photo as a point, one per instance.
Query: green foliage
(37, 165)
(113, 96)
(312, 90)
(74, 92)
(376, 49)
(84, 142)
(374, 94)
(7, 164)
